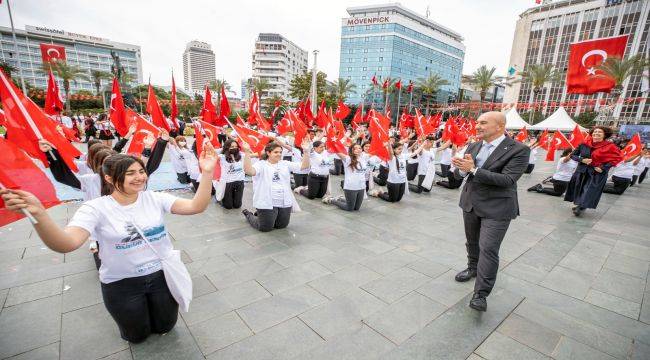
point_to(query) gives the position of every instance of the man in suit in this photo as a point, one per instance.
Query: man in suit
(491, 167)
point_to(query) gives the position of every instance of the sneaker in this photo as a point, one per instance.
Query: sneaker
(245, 212)
(326, 199)
(297, 189)
(536, 187)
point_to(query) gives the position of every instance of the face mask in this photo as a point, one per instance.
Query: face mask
(234, 151)
(181, 143)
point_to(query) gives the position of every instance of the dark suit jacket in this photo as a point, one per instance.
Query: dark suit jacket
(492, 192)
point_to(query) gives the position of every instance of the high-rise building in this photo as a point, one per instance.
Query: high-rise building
(391, 41)
(85, 51)
(277, 60)
(543, 35)
(198, 66)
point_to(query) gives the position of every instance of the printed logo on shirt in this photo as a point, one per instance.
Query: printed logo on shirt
(276, 176)
(149, 267)
(235, 169)
(134, 239)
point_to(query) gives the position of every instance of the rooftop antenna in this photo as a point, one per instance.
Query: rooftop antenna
(428, 11)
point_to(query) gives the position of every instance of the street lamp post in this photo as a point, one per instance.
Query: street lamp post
(314, 79)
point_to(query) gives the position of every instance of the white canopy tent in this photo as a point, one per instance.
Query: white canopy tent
(559, 120)
(514, 120)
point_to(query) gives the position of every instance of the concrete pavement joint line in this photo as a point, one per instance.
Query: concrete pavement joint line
(310, 328)
(501, 322)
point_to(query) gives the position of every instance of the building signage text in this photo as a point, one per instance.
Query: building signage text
(368, 20)
(45, 30)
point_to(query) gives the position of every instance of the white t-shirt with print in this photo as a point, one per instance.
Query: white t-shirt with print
(178, 161)
(321, 163)
(273, 181)
(355, 179)
(91, 186)
(397, 175)
(425, 158)
(232, 171)
(445, 157)
(123, 252)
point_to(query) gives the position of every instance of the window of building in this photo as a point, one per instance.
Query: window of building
(349, 69)
(350, 51)
(367, 39)
(381, 58)
(365, 68)
(365, 59)
(381, 49)
(365, 51)
(379, 68)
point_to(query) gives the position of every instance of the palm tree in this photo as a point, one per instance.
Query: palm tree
(483, 79)
(619, 70)
(126, 79)
(538, 75)
(67, 73)
(97, 76)
(260, 86)
(341, 88)
(7, 68)
(216, 85)
(430, 87)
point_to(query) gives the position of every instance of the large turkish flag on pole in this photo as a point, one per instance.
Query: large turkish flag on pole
(51, 52)
(583, 76)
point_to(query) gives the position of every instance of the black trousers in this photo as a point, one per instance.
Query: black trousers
(411, 171)
(529, 168)
(484, 238)
(634, 179)
(338, 167)
(382, 178)
(643, 175)
(444, 170)
(353, 200)
(559, 187)
(183, 178)
(232, 195)
(618, 186)
(316, 187)
(395, 192)
(299, 180)
(367, 184)
(195, 185)
(268, 219)
(451, 183)
(140, 306)
(419, 188)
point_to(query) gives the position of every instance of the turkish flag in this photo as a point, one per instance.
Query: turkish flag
(577, 137)
(321, 117)
(253, 109)
(153, 108)
(2, 118)
(18, 172)
(398, 84)
(543, 140)
(583, 77)
(53, 101)
(558, 142)
(173, 106)
(422, 126)
(378, 126)
(117, 110)
(224, 106)
(51, 52)
(284, 125)
(342, 111)
(143, 129)
(299, 129)
(633, 148)
(333, 142)
(208, 111)
(203, 130)
(522, 135)
(257, 141)
(374, 80)
(26, 123)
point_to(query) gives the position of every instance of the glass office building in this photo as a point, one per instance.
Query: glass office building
(86, 51)
(390, 41)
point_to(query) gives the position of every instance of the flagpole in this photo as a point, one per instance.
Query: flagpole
(13, 34)
(314, 88)
(29, 215)
(410, 99)
(399, 98)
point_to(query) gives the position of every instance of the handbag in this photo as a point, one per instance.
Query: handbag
(177, 277)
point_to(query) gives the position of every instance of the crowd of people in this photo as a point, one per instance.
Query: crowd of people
(123, 220)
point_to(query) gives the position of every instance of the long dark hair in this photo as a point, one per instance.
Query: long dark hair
(268, 148)
(607, 130)
(354, 159)
(396, 144)
(116, 166)
(226, 151)
(90, 155)
(99, 157)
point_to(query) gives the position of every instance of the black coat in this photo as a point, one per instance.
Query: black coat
(586, 185)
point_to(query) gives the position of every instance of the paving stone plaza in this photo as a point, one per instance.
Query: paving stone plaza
(377, 284)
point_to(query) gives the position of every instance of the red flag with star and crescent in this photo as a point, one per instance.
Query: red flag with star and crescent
(583, 76)
(577, 137)
(117, 110)
(633, 148)
(53, 101)
(51, 52)
(558, 142)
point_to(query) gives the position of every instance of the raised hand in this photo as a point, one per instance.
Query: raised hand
(208, 157)
(306, 144)
(44, 145)
(19, 200)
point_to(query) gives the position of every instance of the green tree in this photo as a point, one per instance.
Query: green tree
(216, 85)
(300, 86)
(269, 105)
(538, 75)
(67, 73)
(483, 79)
(341, 88)
(260, 86)
(430, 86)
(620, 70)
(97, 76)
(7, 68)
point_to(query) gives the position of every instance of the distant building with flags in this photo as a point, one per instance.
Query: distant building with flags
(89, 52)
(391, 41)
(543, 35)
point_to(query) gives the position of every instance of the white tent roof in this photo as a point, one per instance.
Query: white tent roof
(559, 120)
(514, 120)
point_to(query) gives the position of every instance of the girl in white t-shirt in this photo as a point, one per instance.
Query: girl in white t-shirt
(272, 195)
(320, 163)
(355, 164)
(565, 169)
(133, 285)
(232, 174)
(178, 150)
(396, 183)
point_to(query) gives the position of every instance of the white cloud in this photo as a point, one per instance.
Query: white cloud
(162, 28)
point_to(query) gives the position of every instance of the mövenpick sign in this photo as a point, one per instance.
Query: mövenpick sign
(368, 20)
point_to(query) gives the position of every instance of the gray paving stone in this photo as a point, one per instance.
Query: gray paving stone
(40, 250)
(334, 262)
(569, 349)
(627, 265)
(331, 286)
(402, 319)
(593, 248)
(569, 282)
(30, 325)
(81, 290)
(300, 254)
(122, 355)
(292, 277)
(357, 275)
(242, 273)
(248, 255)
(210, 265)
(342, 314)
(201, 285)
(219, 332)
(594, 336)
(474, 357)
(500, 347)
(271, 344)
(640, 351)
(271, 311)
(614, 303)
(47, 352)
(176, 344)
(621, 285)
(390, 261)
(445, 290)
(39, 290)
(531, 334)
(456, 333)
(364, 343)
(396, 284)
(90, 333)
(585, 263)
(525, 271)
(633, 250)
(428, 268)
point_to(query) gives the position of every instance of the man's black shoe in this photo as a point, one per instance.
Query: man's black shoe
(478, 302)
(466, 275)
